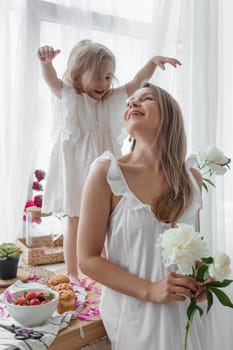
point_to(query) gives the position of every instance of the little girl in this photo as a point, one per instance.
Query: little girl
(88, 120)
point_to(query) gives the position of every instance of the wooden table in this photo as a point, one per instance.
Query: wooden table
(77, 334)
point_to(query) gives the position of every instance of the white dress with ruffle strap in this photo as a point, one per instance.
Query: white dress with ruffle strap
(131, 323)
(83, 129)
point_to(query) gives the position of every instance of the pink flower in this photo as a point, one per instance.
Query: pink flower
(38, 200)
(39, 174)
(28, 204)
(37, 186)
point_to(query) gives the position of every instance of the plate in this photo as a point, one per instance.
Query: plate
(21, 275)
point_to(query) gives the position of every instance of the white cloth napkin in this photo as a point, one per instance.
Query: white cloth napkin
(50, 328)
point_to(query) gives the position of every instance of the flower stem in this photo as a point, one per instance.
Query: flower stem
(188, 324)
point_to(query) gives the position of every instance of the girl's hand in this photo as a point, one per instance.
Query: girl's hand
(172, 287)
(161, 61)
(47, 53)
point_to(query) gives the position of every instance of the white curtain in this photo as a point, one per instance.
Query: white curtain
(198, 32)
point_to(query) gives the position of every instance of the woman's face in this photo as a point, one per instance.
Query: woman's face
(142, 112)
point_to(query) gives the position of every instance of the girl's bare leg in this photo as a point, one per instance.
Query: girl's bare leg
(70, 250)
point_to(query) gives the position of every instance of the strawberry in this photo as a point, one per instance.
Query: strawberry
(34, 302)
(30, 295)
(21, 301)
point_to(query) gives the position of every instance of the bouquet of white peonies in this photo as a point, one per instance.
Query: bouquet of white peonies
(184, 249)
(212, 161)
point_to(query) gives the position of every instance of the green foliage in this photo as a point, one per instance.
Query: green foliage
(9, 250)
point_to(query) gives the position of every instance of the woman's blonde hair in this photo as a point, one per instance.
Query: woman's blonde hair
(171, 139)
(86, 55)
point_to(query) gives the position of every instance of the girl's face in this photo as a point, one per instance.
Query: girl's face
(98, 85)
(142, 112)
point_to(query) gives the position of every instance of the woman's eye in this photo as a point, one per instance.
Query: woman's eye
(148, 98)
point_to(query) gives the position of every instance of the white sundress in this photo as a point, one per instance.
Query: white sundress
(83, 129)
(133, 324)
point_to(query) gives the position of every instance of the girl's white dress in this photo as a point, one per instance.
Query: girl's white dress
(133, 324)
(83, 129)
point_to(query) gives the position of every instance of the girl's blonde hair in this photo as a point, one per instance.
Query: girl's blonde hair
(171, 139)
(86, 55)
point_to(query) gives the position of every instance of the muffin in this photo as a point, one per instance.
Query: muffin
(62, 286)
(58, 279)
(66, 301)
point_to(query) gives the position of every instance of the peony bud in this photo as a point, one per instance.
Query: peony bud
(37, 186)
(39, 174)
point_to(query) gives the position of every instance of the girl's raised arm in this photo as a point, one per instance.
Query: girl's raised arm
(46, 54)
(146, 72)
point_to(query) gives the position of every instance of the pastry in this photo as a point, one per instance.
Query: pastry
(62, 286)
(66, 301)
(58, 279)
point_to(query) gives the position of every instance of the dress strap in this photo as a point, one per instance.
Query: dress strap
(192, 162)
(115, 177)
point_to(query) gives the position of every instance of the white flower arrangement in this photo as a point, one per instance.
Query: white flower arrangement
(212, 161)
(184, 249)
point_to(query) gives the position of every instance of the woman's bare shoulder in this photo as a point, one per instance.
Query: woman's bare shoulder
(197, 176)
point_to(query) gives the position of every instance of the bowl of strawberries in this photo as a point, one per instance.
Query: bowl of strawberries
(31, 307)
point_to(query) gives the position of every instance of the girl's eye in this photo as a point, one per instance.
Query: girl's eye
(108, 78)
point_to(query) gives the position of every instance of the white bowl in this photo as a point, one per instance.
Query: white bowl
(31, 316)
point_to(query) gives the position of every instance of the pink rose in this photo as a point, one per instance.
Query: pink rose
(28, 204)
(39, 174)
(37, 186)
(38, 200)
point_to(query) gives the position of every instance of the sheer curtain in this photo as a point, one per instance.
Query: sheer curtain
(198, 33)
(195, 31)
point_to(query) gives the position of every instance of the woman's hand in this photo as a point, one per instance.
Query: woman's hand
(47, 53)
(200, 294)
(172, 287)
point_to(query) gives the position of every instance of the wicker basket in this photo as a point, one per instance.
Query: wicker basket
(43, 254)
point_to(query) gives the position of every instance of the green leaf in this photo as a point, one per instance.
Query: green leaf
(191, 309)
(218, 284)
(222, 297)
(199, 309)
(200, 276)
(205, 179)
(208, 260)
(209, 297)
(205, 186)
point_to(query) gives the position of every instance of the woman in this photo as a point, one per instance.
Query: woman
(127, 203)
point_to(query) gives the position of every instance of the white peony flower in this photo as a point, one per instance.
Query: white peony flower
(214, 155)
(202, 156)
(212, 161)
(182, 246)
(220, 269)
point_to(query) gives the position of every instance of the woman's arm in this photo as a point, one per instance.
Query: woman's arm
(146, 72)
(94, 219)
